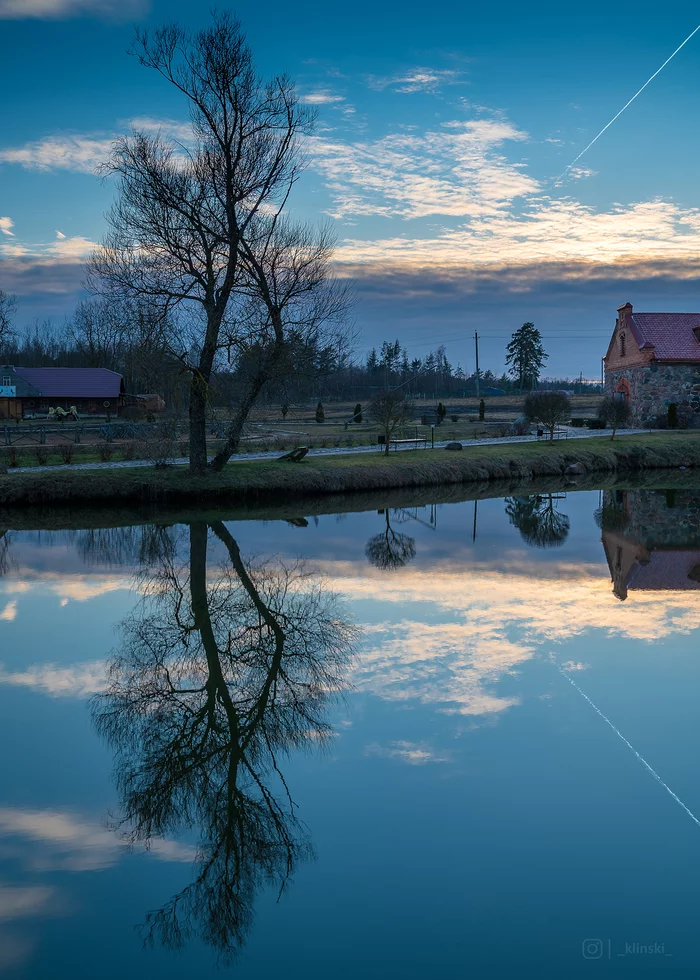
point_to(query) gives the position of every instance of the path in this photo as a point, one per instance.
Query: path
(335, 451)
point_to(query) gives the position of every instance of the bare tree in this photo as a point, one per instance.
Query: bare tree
(185, 213)
(8, 309)
(390, 549)
(616, 412)
(548, 408)
(221, 674)
(390, 411)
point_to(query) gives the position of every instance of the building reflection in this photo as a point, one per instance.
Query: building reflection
(224, 669)
(651, 540)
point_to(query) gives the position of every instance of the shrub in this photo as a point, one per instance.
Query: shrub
(12, 456)
(482, 410)
(577, 423)
(105, 451)
(357, 414)
(454, 418)
(441, 412)
(128, 450)
(320, 414)
(672, 416)
(284, 410)
(42, 455)
(67, 451)
(596, 424)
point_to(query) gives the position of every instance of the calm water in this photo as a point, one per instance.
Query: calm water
(382, 744)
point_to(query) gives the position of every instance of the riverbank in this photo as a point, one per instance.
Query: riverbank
(256, 482)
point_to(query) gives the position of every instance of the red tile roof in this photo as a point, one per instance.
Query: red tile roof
(669, 334)
(74, 382)
(666, 570)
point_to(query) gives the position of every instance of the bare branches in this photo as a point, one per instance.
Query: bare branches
(8, 309)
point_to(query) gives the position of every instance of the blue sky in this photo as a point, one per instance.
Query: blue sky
(440, 136)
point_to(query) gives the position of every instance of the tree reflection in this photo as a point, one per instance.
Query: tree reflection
(221, 673)
(390, 549)
(540, 524)
(4, 551)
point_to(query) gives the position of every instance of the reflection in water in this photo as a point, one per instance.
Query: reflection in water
(651, 539)
(390, 549)
(221, 673)
(539, 521)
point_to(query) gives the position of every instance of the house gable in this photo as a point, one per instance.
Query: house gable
(627, 348)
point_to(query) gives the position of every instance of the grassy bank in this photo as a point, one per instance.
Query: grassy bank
(267, 480)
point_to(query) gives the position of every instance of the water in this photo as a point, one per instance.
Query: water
(425, 741)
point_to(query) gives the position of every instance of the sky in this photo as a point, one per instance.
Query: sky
(441, 139)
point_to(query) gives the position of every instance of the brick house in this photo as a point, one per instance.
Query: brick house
(653, 360)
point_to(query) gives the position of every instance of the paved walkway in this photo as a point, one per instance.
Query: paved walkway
(335, 451)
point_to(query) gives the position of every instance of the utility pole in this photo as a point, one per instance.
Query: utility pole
(476, 344)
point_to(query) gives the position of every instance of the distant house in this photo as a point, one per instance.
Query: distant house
(33, 391)
(653, 360)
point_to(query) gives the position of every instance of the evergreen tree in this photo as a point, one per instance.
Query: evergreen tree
(441, 412)
(482, 410)
(285, 409)
(320, 415)
(526, 356)
(372, 362)
(357, 414)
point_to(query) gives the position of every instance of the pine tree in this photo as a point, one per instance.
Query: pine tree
(320, 415)
(285, 409)
(357, 414)
(526, 356)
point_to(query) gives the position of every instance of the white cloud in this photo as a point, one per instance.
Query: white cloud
(79, 153)
(457, 171)
(6, 224)
(64, 841)
(59, 234)
(75, 247)
(416, 80)
(75, 681)
(321, 97)
(412, 753)
(9, 613)
(63, 9)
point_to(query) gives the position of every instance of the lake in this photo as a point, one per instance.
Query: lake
(418, 740)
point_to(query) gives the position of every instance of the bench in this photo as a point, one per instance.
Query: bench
(296, 455)
(420, 441)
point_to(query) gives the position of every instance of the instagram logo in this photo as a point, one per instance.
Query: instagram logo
(592, 949)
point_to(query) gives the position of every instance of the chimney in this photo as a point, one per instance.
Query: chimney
(623, 312)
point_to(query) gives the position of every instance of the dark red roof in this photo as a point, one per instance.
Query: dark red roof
(669, 334)
(74, 382)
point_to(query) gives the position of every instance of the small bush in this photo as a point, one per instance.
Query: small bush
(42, 455)
(578, 423)
(128, 450)
(320, 414)
(12, 456)
(357, 414)
(596, 423)
(67, 451)
(454, 418)
(105, 451)
(482, 410)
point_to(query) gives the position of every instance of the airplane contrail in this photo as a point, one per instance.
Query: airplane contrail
(629, 745)
(627, 104)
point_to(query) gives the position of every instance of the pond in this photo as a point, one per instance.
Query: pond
(417, 740)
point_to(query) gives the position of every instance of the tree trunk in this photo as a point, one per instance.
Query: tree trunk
(235, 429)
(198, 423)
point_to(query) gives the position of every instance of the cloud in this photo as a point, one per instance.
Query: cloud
(61, 840)
(64, 9)
(416, 80)
(456, 171)
(321, 97)
(549, 239)
(9, 613)
(5, 225)
(21, 902)
(78, 153)
(59, 234)
(412, 753)
(75, 681)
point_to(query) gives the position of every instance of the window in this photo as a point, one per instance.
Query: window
(623, 345)
(6, 382)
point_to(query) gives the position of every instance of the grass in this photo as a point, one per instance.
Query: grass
(259, 480)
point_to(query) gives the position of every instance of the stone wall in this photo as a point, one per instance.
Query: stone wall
(652, 389)
(655, 518)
